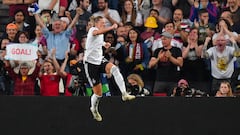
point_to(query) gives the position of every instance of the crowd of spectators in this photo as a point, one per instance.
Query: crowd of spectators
(157, 43)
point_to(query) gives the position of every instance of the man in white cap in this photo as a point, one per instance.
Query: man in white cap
(66, 21)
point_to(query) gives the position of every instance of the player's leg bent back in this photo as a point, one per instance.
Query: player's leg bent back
(111, 68)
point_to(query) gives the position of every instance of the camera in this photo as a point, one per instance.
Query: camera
(137, 90)
(190, 92)
(132, 89)
(78, 81)
(180, 91)
(77, 86)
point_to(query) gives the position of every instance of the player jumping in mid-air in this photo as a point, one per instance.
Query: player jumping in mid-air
(95, 63)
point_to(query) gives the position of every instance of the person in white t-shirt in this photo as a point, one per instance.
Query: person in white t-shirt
(95, 64)
(112, 16)
(130, 14)
(49, 4)
(222, 59)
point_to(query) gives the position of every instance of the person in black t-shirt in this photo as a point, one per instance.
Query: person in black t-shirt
(168, 61)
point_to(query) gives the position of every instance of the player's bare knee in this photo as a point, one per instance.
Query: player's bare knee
(108, 67)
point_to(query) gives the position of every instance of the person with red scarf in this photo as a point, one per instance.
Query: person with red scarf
(137, 53)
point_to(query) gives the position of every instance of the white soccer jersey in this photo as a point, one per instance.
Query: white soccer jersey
(93, 49)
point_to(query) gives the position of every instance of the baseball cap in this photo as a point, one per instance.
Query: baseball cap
(65, 19)
(167, 34)
(11, 26)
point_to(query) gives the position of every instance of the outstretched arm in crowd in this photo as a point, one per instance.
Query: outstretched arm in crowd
(225, 31)
(204, 49)
(79, 12)
(62, 72)
(39, 21)
(68, 15)
(55, 62)
(235, 46)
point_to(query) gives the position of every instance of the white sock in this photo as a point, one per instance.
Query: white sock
(118, 79)
(95, 101)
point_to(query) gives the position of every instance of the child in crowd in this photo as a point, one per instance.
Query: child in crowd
(225, 90)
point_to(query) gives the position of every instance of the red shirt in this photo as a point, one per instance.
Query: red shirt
(77, 46)
(25, 87)
(49, 85)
